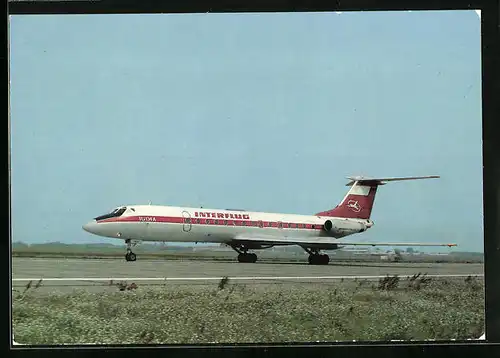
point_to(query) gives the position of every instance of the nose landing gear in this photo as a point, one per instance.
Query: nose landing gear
(130, 256)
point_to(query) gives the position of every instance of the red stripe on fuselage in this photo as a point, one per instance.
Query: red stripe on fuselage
(211, 221)
(145, 218)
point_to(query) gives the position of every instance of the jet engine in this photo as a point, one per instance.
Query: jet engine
(343, 227)
(327, 226)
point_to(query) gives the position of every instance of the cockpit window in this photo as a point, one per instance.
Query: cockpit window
(115, 213)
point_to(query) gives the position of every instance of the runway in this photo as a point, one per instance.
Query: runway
(71, 273)
(32, 267)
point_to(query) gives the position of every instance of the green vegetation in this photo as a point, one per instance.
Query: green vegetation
(393, 308)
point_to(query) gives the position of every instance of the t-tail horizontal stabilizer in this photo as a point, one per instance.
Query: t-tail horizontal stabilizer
(358, 202)
(382, 181)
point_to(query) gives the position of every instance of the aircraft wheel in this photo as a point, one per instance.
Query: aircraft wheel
(130, 256)
(247, 258)
(318, 259)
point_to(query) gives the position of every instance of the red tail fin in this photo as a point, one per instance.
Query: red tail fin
(358, 202)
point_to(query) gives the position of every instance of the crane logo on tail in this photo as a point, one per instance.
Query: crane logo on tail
(354, 206)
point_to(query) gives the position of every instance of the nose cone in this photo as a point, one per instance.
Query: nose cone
(90, 226)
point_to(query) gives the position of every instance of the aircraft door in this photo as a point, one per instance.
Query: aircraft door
(186, 221)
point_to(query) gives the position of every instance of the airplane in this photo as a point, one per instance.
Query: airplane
(244, 230)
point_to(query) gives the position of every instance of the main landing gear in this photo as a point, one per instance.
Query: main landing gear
(315, 258)
(244, 255)
(319, 259)
(130, 256)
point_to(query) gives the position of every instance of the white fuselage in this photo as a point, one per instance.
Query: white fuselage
(181, 224)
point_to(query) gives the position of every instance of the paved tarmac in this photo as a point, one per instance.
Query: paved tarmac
(43, 267)
(209, 272)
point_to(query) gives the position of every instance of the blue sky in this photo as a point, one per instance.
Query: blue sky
(267, 112)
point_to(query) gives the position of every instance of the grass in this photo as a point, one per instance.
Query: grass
(393, 308)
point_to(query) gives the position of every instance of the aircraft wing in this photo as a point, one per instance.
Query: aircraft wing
(392, 244)
(325, 241)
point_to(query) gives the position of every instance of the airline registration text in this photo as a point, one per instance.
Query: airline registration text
(221, 215)
(147, 218)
